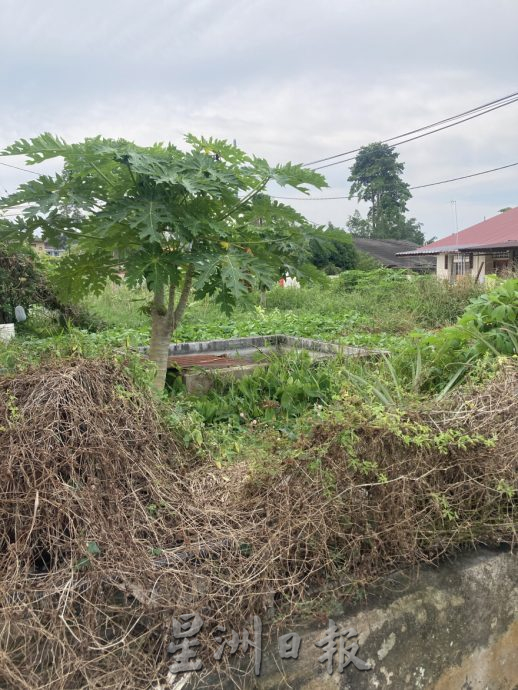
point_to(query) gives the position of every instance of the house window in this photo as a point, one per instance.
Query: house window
(461, 264)
(446, 262)
(501, 262)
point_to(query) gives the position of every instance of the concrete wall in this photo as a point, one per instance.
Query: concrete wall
(484, 262)
(489, 267)
(454, 628)
(442, 272)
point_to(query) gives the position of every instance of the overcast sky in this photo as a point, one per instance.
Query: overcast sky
(290, 80)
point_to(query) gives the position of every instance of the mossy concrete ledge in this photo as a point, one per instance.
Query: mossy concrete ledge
(455, 627)
(277, 342)
(251, 352)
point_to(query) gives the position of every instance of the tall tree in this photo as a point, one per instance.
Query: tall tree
(176, 221)
(376, 178)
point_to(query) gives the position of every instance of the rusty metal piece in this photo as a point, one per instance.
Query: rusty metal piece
(204, 360)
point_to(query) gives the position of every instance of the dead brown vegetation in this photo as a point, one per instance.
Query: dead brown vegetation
(108, 528)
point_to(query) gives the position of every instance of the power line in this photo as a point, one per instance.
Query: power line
(334, 198)
(420, 136)
(496, 105)
(420, 186)
(452, 121)
(420, 129)
(464, 177)
(16, 167)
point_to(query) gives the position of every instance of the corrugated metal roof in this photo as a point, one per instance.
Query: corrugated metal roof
(495, 233)
(388, 251)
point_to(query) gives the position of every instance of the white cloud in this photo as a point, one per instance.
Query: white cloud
(292, 80)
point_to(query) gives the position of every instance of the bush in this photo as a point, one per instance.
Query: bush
(487, 328)
(26, 280)
(21, 282)
(332, 250)
(285, 389)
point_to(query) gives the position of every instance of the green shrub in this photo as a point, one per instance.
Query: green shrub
(286, 388)
(487, 328)
(21, 281)
(332, 250)
(494, 316)
(26, 279)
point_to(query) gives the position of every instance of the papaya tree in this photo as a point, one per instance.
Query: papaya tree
(177, 221)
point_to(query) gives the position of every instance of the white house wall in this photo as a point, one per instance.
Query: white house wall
(443, 273)
(481, 262)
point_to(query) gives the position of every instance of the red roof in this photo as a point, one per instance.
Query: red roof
(495, 232)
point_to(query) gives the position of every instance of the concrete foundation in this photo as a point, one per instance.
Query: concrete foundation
(455, 627)
(254, 350)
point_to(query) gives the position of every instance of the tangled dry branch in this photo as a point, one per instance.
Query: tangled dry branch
(108, 528)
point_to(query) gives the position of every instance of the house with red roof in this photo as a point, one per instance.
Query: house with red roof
(485, 248)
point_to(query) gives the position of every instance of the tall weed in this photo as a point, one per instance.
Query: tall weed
(286, 388)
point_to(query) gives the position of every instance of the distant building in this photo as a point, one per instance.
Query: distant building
(45, 248)
(388, 254)
(485, 248)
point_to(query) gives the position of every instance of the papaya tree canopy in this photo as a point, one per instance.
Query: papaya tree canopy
(175, 220)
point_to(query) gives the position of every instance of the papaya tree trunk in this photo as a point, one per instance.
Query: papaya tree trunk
(159, 347)
(164, 320)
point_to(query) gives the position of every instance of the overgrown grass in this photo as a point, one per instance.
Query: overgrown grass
(274, 394)
(397, 303)
(120, 306)
(344, 470)
(376, 310)
(293, 389)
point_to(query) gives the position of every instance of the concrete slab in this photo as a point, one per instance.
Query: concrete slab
(249, 352)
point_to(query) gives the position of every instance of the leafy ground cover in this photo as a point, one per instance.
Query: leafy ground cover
(358, 308)
(354, 309)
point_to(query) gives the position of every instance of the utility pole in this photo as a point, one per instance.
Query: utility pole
(456, 220)
(454, 209)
